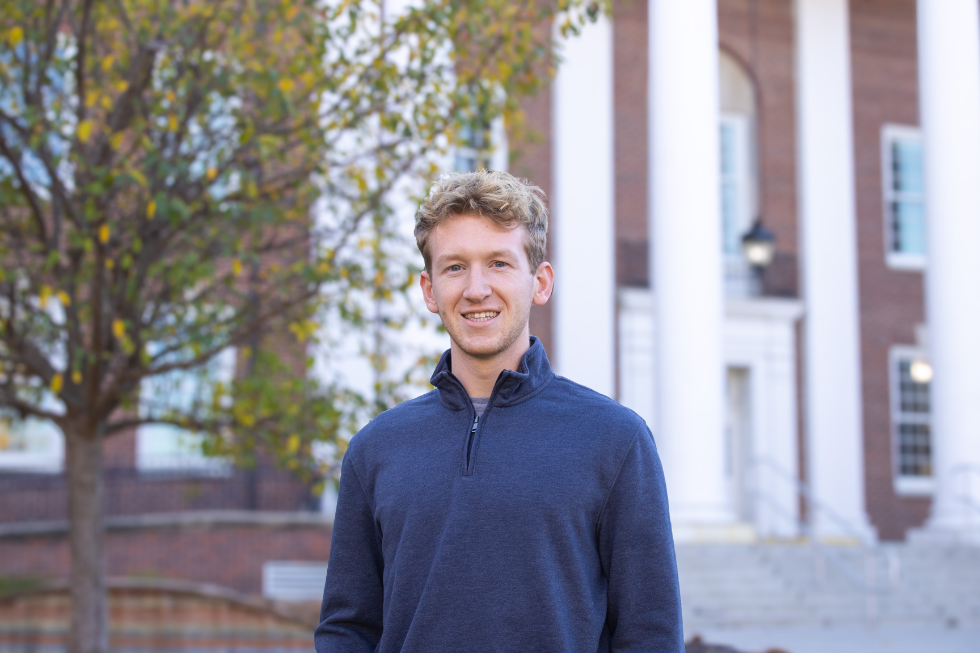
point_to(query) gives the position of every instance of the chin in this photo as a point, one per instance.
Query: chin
(482, 348)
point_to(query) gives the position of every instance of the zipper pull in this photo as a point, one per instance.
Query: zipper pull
(476, 419)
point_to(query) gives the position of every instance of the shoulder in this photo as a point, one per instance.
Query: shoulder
(407, 416)
(584, 406)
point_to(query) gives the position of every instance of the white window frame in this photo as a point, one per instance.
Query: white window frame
(49, 461)
(904, 484)
(185, 459)
(896, 260)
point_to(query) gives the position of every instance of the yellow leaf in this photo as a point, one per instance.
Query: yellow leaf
(248, 420)
(122, 86)
(171, 96)
(172, 123)
(236, 267)
(116, 140)
(107, 62)
(56, 382)
(151, 209)
(109, 264)
(212, 173)
(76, 377)
(138, 176)
(106, 102)
(118, 328)
(45, 294)
(286, 85)
(64, 298)
(84, 130)
(104, 234)
(16, 36)
(292, 444)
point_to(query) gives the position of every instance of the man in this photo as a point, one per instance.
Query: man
(509, 509)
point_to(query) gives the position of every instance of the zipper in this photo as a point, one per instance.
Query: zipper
(469, 443)
(471, 440)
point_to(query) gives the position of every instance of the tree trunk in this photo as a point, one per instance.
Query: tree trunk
(89, 625)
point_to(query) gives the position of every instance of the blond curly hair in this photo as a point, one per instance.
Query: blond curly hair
(498, 196)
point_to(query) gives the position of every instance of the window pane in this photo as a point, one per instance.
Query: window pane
(168, 447)
(913, 397)
(727, 149)
(907, 165)
(729, 217)
(31, 435)
(908, 227)
(465, 160)
(914, 450)
(912, 429)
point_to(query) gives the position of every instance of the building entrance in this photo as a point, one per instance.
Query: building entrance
(738, 441)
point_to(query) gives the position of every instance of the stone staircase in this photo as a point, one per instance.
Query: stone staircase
(743, 585)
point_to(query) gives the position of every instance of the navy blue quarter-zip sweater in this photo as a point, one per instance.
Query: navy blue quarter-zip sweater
(542, 527)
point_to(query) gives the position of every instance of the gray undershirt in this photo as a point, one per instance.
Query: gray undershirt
(480, 404)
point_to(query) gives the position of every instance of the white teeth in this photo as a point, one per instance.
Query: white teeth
(481, 317)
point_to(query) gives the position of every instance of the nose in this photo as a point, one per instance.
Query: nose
(477, 289)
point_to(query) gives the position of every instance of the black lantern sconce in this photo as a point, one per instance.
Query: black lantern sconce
(759, 246)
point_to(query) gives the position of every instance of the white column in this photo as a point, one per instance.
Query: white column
(583, 208)
(949, 92)
(832, 362)
(685, 229)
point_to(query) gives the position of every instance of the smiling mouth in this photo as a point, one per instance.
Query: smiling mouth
(483, 316)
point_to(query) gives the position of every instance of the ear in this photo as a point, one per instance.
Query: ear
(544, 283)
(425, 281)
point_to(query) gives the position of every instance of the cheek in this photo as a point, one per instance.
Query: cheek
(446, 293)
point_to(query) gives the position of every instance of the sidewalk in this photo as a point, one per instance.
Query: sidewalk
(884, 638)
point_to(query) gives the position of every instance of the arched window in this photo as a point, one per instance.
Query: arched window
(739, 177)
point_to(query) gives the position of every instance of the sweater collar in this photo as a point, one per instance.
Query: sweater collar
(511, 386)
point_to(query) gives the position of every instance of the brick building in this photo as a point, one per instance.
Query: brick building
(795, 398)
(786, 400)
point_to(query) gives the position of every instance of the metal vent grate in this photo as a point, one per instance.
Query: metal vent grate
(286, 580)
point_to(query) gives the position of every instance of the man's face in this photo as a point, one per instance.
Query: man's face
(481, 285)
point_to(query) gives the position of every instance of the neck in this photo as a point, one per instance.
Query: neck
(478, 374)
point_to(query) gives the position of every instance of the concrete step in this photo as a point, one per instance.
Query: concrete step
(734, 585)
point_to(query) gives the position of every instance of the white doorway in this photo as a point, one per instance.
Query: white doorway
(738, 441)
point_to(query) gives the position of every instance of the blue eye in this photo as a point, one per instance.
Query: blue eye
(499, 264)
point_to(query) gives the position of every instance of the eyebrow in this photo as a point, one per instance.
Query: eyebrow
(496, 254)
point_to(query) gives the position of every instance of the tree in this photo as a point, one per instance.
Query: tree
(158, 166)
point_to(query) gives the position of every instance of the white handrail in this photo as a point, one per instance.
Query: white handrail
(865, 582)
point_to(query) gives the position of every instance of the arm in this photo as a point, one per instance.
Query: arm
(636, 548)
(351, 614)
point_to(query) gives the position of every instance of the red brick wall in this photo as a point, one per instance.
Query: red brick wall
(533, 161)
(885, 79)
(226, 555)
(41, 497)
(630, 106)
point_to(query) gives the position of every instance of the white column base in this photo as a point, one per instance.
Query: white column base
(933, 533)
(701, 533)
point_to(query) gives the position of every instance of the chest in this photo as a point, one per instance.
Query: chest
(513, 469)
